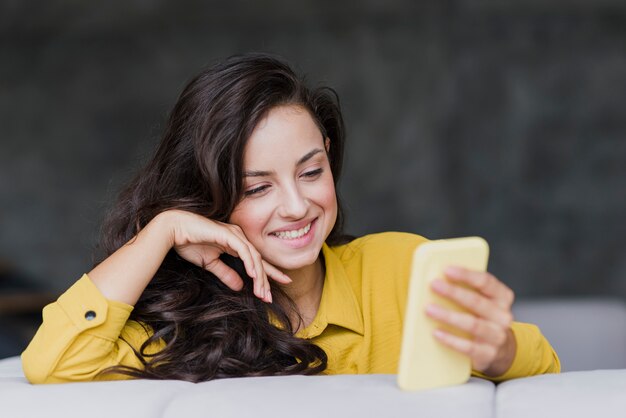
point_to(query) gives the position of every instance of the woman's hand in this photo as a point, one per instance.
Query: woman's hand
(201, 241)
(492, 345)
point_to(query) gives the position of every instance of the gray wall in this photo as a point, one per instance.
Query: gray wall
(470, 117)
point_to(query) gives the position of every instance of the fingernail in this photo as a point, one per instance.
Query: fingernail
(439, 333)
(269, 295)
(433, 309)
(453, 270)
(440, 285)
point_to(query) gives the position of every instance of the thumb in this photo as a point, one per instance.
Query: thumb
(227, 275)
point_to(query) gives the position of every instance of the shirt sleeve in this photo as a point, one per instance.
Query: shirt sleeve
(534, 355)
(82, 333)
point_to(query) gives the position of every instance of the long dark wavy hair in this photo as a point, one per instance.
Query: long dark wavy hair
(209, 330)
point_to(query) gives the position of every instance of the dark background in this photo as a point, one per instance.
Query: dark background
(500, 119)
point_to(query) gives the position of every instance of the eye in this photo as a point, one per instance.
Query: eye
(256, 190)
(313, 173)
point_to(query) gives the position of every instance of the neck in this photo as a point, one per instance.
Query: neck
(306, 291)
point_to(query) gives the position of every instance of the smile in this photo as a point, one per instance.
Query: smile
(298, 233)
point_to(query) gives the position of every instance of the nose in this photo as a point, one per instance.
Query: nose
(293, 204)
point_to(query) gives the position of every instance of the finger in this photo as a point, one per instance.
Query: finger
(227, 275)
(267, 294)
(480, 329)
(276, 274)
(257, 280)
(482, 355)
(261, 287)
(230, 242)
(268, 290)
(264, 288)
(261, 284)
(473, 301)
(257, 283)
(484, 282)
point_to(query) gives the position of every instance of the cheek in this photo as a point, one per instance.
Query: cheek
(328, 200)
(250, 218)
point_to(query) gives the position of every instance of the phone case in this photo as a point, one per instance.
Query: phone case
(425, 363)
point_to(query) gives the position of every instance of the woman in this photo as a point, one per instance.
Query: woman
(225, 257)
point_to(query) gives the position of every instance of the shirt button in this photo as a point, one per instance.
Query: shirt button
(90, 315)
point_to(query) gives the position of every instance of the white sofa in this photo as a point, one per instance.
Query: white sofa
(585, 333)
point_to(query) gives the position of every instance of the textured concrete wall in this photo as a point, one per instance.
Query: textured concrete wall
(470, 117)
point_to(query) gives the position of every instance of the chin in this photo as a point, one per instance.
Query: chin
(294, 261)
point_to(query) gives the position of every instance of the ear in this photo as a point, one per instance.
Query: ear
(327, 144)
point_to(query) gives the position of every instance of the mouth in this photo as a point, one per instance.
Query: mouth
(295, 233)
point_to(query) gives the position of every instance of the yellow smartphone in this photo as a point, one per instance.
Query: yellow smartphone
(425, 363)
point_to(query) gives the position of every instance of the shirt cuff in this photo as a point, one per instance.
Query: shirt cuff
(88, 309)
(527, 339)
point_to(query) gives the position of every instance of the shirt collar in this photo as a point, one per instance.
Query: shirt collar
(338, 305)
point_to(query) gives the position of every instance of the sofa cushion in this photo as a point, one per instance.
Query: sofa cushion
(304, 396)
(140, 398)
(587, 334)
(598, 393)
(331, 396)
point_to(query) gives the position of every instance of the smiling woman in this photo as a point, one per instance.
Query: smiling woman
(226, 257)
(288, 211)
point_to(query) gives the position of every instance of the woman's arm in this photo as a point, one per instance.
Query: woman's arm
(87, 329)
(125, 274)
(83, 333)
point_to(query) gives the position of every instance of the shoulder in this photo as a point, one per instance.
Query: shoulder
(378, 258)
(380, 264)
(383, 245)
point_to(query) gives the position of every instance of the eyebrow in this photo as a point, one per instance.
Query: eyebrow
(304, 159)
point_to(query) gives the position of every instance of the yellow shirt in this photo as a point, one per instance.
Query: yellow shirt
(358, 323)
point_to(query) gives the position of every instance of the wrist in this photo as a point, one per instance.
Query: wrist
(162, 228)
(504, 360)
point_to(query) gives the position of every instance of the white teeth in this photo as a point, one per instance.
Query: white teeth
(293, 234)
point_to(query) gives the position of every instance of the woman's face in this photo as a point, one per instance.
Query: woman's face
(289, 204)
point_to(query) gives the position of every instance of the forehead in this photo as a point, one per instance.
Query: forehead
(286, 132)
